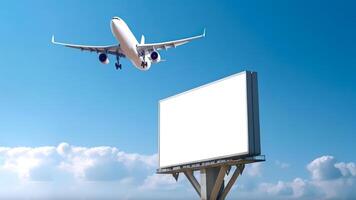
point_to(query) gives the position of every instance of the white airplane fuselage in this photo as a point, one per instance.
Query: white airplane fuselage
(128, 43)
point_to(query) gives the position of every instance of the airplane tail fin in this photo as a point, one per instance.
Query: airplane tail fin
(142, 39)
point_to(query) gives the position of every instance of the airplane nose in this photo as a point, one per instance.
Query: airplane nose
(114, 25)
(114, 22)
(116, 18)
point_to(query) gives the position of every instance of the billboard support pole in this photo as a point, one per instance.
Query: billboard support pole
(212, 182)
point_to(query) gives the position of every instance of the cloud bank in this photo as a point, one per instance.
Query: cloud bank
(92, 164)
(328, 179)
(73, 172)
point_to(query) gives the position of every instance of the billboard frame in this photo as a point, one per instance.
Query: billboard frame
(254, 146)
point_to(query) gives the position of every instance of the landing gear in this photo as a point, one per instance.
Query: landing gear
(117, 64)
(144, 64)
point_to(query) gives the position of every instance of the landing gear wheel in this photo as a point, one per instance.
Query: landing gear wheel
(143, 64)
(118, 66)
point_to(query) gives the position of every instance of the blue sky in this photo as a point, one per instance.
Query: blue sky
(304, 53)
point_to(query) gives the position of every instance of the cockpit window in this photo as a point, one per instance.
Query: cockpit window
(116, 18)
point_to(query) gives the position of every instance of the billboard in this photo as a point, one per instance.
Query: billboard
(215, 121)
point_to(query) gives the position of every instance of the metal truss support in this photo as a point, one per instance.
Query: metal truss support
(213, 175)
(211, 185)
(238, 171)
(190, 176)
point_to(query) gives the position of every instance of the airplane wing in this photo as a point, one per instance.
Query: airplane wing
(110, 49)
(166, 45)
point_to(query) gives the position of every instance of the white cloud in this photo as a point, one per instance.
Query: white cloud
(159, 181)
(333, 179)
(281, 188)
(323, 168)
(94, 172)
(295, 189)
(347, 169)
(254, 169)
(281, 164)
(93, 164)
(329, 179)
(29, 163)
(72, 172)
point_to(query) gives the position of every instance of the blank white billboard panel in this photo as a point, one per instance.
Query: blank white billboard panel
(214, 121)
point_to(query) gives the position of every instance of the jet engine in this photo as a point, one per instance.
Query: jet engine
(155, 57)
(103, 57)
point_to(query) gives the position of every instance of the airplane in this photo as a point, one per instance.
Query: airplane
(142, 54)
